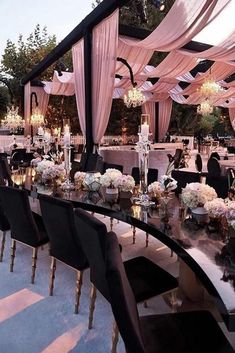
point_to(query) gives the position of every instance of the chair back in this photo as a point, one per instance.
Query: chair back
(92, 235)
(213, 167)
(177, 157)
(151, 177)
(5, 172)
(183, 178)
(15, 203)
(219, 183)
(58, 218)
(111, 165)
(122, 298)
(215, 155)
(18, 154)
(198, 162)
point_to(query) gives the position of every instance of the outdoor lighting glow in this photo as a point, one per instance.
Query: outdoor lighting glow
(205, 108)
(134, 98)
(13, 120)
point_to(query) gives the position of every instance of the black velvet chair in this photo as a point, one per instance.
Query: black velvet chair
(147, 279)
(185, 332)
(183, 178)
(215, 155)
(111, 165)
(198, 162)
(58, 217)
(213, 167)
(220, 184)
(5, 172)
(26, 226)
(231, 149)
(4, 227)
(152, 175)
(177, 157)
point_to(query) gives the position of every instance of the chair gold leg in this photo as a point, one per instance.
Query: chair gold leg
(134, 235)
(52, 275)
(13, 254)
(2, 245)
(115, 335)
(78, 290)
(111, 223)
(147, 240)
(34, 264)
(92, 305)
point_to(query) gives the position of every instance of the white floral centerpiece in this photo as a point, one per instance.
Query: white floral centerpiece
(197, 194)
(125, 183)
(216, 208)
(43, 165)
(155, 188)
(78, 179)
(109, 179)
(55, 172)
(230, 213)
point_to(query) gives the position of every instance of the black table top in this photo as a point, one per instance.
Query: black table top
(209, 256)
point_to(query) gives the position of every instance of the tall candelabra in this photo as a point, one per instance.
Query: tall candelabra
(67, 185)
(143, 150)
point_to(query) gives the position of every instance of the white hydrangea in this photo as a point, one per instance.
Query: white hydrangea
(216, 207)
(109, 177)
(197, 194)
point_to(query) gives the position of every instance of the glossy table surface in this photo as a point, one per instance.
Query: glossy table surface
(208, 254)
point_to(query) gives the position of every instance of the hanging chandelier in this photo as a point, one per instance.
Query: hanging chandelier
(134, 98)
(13, 120)
(210, 88)
(37, 119)
(205, 108)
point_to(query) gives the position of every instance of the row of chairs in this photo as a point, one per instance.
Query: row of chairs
(80, 241)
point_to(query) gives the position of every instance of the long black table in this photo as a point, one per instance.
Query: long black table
(201, 251)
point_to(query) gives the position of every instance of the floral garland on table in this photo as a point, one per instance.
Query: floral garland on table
(196, 194)
(110, 178)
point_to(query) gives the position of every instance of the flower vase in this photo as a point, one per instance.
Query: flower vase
(111, 194)
(200, 214)
(164, 207)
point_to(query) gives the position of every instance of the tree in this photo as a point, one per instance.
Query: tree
(20, 58)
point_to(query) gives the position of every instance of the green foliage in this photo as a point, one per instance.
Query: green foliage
(4, 101)
(21, 57)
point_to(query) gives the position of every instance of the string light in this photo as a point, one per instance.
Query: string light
(205, 108)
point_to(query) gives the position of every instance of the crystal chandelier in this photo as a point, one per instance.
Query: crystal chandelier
(37, 119)
(205, 108)
(210, 88)
(13, 120)
(134, 98)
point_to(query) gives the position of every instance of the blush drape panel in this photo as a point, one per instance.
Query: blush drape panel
(188, 17)
(232, 117)
(43, 98)
(149, 108)
(104, 53)
(165, 108)
(27, 92)
(79, 82)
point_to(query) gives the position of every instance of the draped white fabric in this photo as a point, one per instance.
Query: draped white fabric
(188, 17)
(27, 92)
(79, 81)
(104, 53)
(60, 85)
(165, 108)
